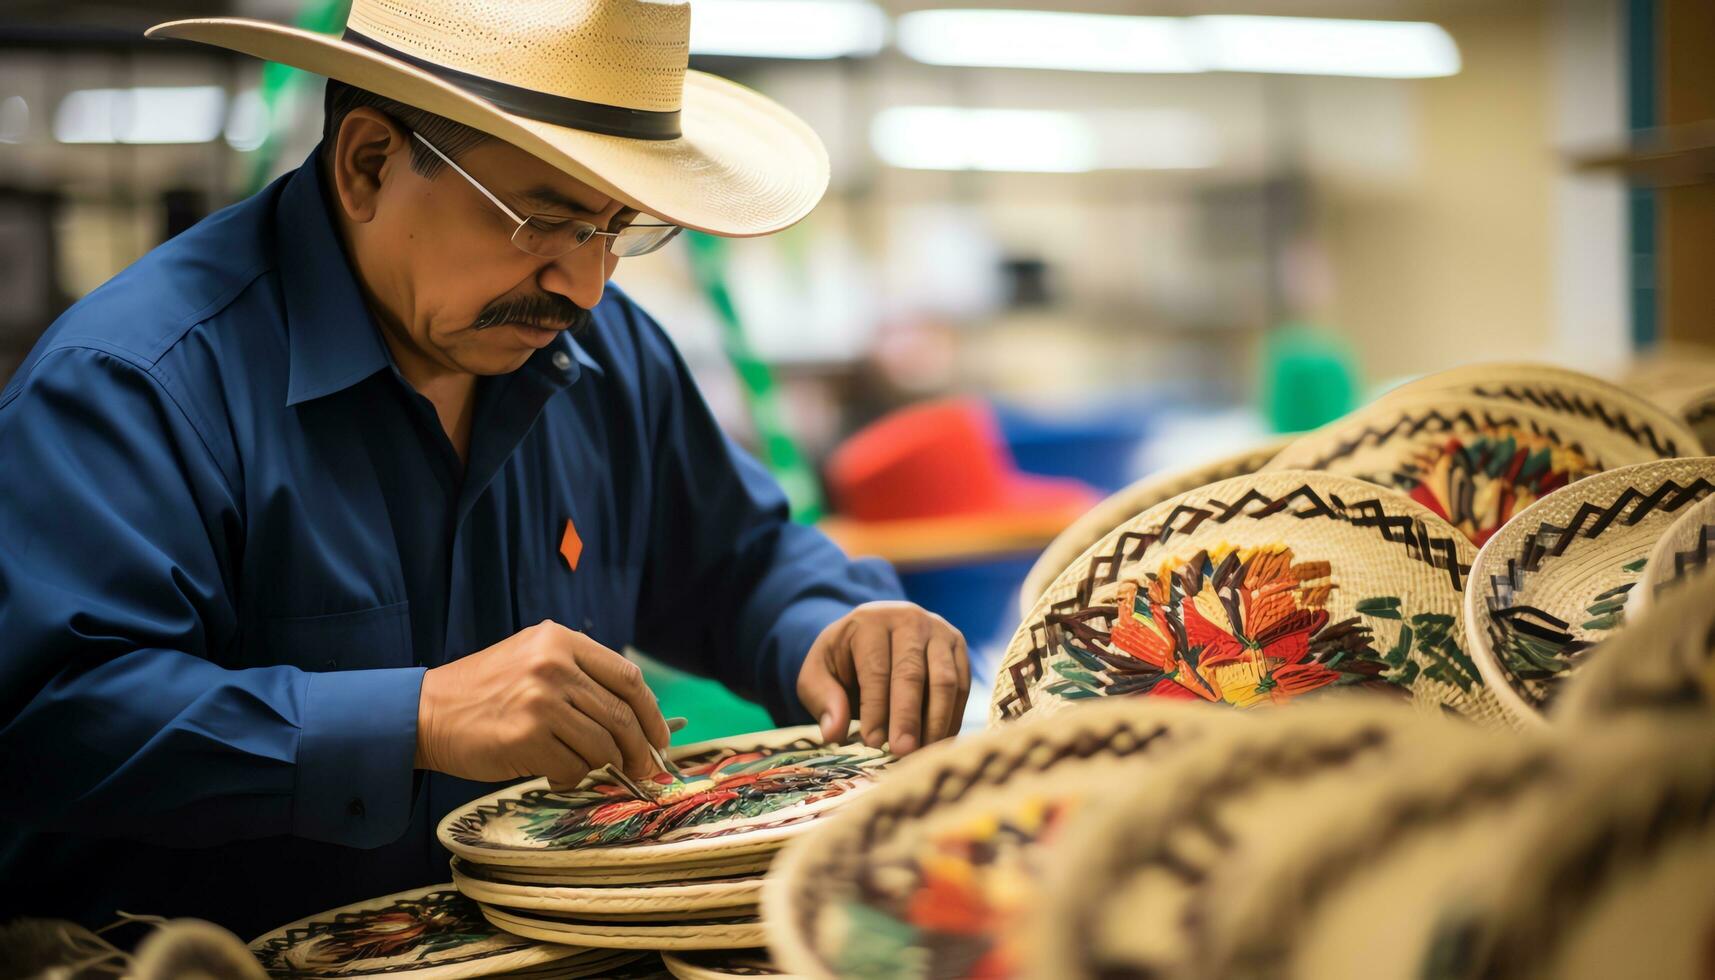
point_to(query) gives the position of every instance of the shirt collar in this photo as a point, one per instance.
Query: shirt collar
(333, 341)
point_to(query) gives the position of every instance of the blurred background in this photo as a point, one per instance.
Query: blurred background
(1074, 242)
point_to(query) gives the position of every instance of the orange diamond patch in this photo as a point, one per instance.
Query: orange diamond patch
(571, 546)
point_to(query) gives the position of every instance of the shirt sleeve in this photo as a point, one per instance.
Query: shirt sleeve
(121, 711)
(733, 588)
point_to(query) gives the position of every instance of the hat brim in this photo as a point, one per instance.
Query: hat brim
(743, 166)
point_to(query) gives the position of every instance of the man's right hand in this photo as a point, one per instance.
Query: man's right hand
(547, 701)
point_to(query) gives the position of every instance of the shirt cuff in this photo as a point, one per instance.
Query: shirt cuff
(356, 749)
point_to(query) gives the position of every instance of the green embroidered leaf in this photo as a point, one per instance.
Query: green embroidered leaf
(1381, 607)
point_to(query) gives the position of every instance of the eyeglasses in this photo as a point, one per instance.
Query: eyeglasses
(551, 236)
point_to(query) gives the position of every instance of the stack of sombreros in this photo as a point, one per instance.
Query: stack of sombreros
(432, 933)
(1402, 810)
(675, 864)
(1681, 379)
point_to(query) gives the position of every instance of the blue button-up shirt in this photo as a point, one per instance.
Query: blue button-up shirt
(232, 538)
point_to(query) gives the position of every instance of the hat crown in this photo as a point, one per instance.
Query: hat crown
(629, 53)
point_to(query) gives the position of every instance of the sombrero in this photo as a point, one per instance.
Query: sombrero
(742, 797)
(431, 933)
(1125, 503)
(1473, 460)
(1254, 591)
(1682, 551)
(655, 900)
(1613, 881)
(1662, 662)
(1554, 581)
(1572, 394)
(1397, 876)
(934, 872)
(1159, 843)
(598, 89)
(721, 964)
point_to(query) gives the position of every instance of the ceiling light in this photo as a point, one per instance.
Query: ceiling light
(1114, 43)
(1041, 141)
(1045, 39)
(193, 114)
(1322, 46)
(787, 28)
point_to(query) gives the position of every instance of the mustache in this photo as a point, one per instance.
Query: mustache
(544, 310)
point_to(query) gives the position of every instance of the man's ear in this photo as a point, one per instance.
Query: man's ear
(369, 149)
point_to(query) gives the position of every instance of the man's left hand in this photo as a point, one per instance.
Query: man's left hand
(906, 668)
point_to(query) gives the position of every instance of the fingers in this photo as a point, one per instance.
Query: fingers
(822, 692)
(946, 693)
(617, 720)
(872, 656)
(910, 671)
(624, 680)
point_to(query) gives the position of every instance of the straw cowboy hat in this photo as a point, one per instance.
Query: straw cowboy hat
(596, 88)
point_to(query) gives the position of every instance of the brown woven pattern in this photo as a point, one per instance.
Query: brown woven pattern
(1369, 542)
(1040, 760)
(1553, 582)
(1122, 505)
(1682, 552)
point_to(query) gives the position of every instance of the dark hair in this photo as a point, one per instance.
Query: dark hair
(452, 138)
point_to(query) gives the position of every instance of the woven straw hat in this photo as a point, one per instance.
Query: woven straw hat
(1613, 881)
(404, 935)
(1392, 877)
(598, 89)
(1253, 591)
(721, 964)
(1555, 580)
(726, 932)
(1161, 843)
(599, 827)
(1663, 661)
(935, 871)
(674, 898)
(1123, 504)
(1474, 461)
(1682, 551)
(1572, 394)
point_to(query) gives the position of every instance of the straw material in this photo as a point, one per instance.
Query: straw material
(1571, 394)
(935, 872)
(722, 964)
(783, 779)
(1408, 875)
(1164, 842)
(429, 933)
(656, 901)
(738, 932)
(643, 875)
(1682, 551)
(742, 166)
(1474, 461)
(1614, 883)
(1554, 581)
(1134, 499)
(1256, 591)
(1662, 662)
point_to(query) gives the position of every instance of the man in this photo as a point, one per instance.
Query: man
(333, 511)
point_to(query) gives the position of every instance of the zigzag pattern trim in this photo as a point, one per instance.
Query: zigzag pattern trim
(995, 768)
(1410, 426)
(1550, 540)
(1568, 403)
(1410, 533)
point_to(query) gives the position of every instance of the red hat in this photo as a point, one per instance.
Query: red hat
(942, 459)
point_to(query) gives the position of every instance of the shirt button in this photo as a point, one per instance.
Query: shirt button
(355, 807)
(562, 360)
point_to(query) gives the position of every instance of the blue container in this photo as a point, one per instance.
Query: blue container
(1100, 450)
